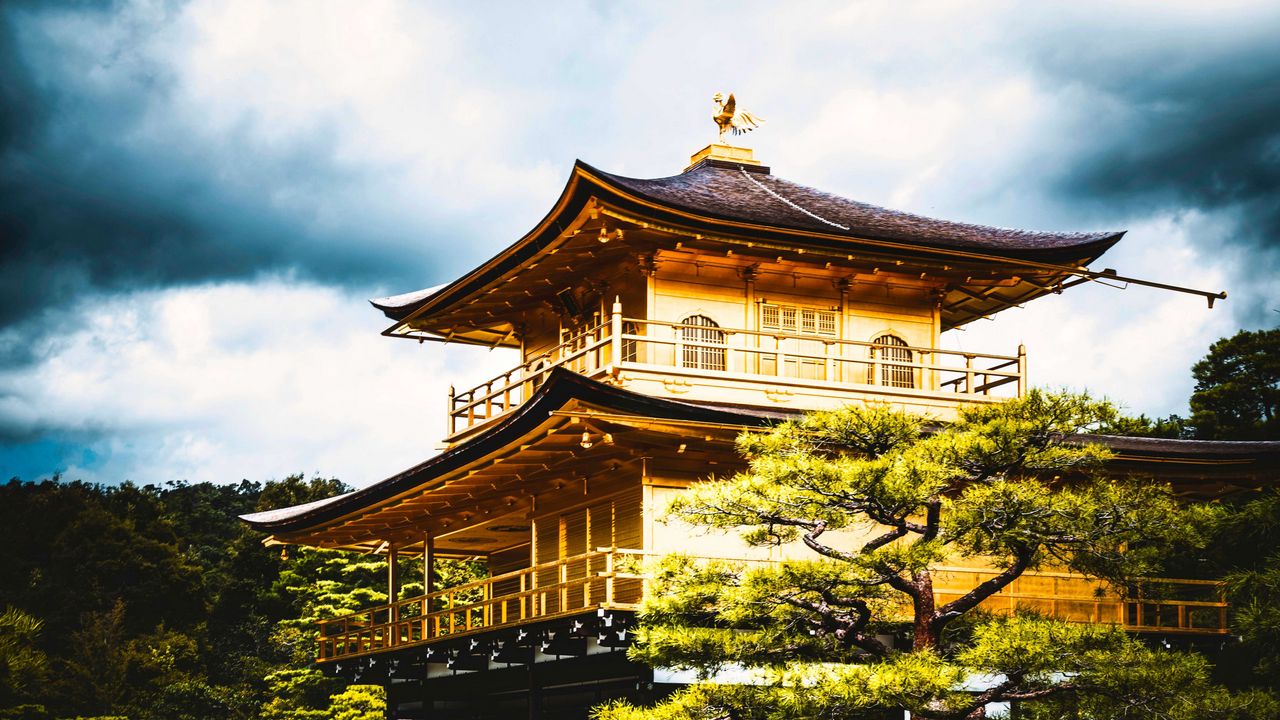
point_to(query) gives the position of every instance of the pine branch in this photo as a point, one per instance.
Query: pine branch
(971, 599)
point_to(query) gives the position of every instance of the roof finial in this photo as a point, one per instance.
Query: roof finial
(729, 118)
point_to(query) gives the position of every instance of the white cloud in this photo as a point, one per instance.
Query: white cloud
(240, 380)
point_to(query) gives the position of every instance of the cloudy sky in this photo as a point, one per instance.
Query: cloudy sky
(197, 198)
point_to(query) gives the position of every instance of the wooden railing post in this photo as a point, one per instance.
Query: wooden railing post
(450, 418)
(1022, 370)
(564, 587)
(608, 578)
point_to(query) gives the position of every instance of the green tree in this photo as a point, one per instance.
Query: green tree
(23, 665)
(156, 601)
(358, 702)
(1172, 426)
(880, 502)
(1237, 393)
(1246, 551)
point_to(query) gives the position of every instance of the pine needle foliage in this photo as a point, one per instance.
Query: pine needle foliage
(880, 499)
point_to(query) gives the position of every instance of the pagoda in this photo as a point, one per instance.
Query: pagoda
(656, 320)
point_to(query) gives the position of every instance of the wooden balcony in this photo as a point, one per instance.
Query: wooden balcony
(614, 579)
(807, 371)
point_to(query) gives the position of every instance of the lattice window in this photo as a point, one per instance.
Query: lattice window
(890, 350)
(703, 343)
(802, 321)
(826, 323)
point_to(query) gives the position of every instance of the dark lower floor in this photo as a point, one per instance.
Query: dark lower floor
(565, 689)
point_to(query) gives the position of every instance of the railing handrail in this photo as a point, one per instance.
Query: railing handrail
(524, 367)
(603, 551)
(932, 568)
(614, 343)
(830, 340)
(386, 626)
(869, 361)
(474, 584)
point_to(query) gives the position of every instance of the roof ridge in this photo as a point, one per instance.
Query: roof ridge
(789, 203)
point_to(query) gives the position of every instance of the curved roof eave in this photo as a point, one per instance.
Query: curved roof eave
(633, 194)
(561, 387)
(525, 247)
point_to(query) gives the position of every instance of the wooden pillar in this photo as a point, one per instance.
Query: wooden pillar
(393, 576)
(428, 564)
(750, 320)
(842, 330)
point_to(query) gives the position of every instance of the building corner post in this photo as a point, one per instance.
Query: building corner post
(615, 333)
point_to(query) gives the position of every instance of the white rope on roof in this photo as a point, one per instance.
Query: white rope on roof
(787, 202)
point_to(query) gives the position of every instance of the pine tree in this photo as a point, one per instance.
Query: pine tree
(880, 499)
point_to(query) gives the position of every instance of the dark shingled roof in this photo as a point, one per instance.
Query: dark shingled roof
(1190, 449)
(756, 204)
(751, 194)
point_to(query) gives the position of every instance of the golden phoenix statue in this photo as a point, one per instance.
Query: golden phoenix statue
(729, 119)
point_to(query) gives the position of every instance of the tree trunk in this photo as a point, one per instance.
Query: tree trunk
(925, 611)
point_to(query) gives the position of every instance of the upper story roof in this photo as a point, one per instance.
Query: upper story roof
(751, 194)
(721, 201)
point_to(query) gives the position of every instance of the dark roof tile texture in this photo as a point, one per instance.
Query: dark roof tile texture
(728, 192)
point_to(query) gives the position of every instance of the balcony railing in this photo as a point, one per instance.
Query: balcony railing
(612, 578)
(672, 348)
(606, 578)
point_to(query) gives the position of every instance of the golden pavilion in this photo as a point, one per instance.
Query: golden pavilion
(656, 320)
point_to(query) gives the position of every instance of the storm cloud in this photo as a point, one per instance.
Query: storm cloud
(1183, 118)
(186, 185)
(100, 193)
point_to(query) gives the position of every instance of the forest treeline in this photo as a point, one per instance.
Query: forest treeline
(157, 602)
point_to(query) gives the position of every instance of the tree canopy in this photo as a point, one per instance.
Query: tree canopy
(1237, 393)
(157, 603)
(879, 500)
